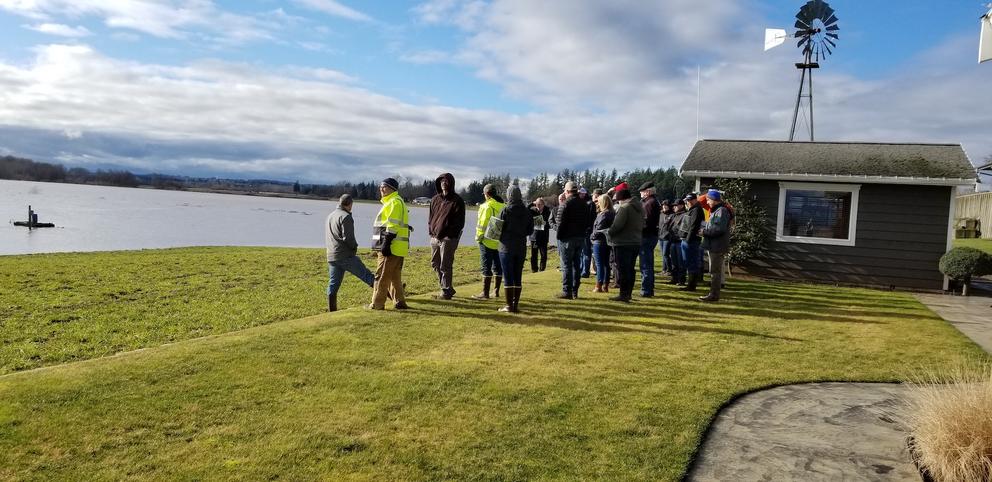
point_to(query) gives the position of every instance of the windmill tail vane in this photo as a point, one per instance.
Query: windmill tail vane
(985, 41)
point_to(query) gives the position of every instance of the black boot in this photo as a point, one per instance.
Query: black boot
(499, 281)
(332, 303)
(486, 283)
(691, 285)
(516, 299)
(508, 294)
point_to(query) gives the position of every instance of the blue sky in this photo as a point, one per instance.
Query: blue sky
(325, 90)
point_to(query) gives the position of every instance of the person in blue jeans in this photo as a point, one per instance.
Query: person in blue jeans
(572, 221)
(587, 247)
(600, 243)
(342, 251)
(649, 237)
(518, 224)
(692, 220)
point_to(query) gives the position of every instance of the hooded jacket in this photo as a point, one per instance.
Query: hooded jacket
(447, 213)
(518, 223)
(628, 225)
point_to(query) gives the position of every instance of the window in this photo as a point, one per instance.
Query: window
(817, 213)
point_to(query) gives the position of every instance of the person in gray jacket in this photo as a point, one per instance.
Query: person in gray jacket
(342, 251)
(625, 239)
(716, 238)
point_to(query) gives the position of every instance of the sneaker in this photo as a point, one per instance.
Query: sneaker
(708, 299)
(441, 296)
(402, 306)
(370, 306)
(481, 296)
(564, 295)
(647, 295)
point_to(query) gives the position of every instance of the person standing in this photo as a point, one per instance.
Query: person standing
(342, 251)
(391, 238)
(691, 222)
(572, 221)
(649, 237)
(664, 230)
(518, 224)
(488, 248)
(716, 238)
(587, 242)
(539, 240)
(672, 225)
(444, 225)
(600, 245)
(625, 238)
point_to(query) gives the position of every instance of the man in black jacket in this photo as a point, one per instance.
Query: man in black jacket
(539, 240)
(691, 222)
(445, 224)
(649, 237)
(572, 222)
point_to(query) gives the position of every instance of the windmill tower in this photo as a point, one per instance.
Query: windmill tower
(816, 29)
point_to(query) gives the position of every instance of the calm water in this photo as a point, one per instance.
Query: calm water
(99, 218)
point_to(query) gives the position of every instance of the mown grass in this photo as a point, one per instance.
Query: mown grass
(575, 390)
(982, 244)
(56, 308)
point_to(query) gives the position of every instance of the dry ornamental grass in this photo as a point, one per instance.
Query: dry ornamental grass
(952, 426)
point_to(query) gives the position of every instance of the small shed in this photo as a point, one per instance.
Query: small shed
(871, 214)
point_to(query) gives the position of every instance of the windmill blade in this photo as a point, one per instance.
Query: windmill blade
(833, 36)
(830, 21)
(831, 52)
(774, 37)
(985, 42)
(801, 25)
(832, 44)
(803, 41)
(833, 28)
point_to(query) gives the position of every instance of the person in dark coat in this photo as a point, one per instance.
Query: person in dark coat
(518, 224)
(691, 222)
(600, 245)
(663, 233)
(539, 240)
(572, 223)
(716, 238)
(649, 237)
(675, 243)
(625, 239)
(587, 247)
(445, 223)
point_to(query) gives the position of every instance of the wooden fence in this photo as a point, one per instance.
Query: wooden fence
(978, 206)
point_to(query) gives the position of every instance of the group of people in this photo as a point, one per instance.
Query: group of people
(604, 234)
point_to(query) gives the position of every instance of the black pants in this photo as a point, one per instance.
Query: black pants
(535, 250)
(626, 257)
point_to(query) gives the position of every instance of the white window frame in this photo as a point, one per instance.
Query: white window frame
(784, 187)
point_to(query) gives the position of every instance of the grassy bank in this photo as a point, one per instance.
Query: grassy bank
(982, 244)
(453, 390)
(57, 308)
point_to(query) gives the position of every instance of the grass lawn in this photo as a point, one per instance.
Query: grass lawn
(982, 244)
(584, 389)
(56, 308)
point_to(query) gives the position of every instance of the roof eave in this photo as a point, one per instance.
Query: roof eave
(778, 176)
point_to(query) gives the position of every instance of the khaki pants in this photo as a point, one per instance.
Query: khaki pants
(388, 281)
(716, 272)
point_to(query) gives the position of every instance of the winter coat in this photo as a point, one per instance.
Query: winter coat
(652, 211)
(572, 219)
(665, 225)
(675, 226)
(339, 235)
(692, 220)
(716, 231)
(628, 225)
(603, 222)
(518, 224)
(447, 213)
(540, 237)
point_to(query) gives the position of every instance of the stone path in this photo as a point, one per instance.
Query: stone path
(972, 315)
(817, 431)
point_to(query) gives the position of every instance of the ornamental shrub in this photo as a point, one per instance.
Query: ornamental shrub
(965, 263)
(750, 234)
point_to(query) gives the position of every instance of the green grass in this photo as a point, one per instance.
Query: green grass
(63, 307)
(453, 390)
(982, 244)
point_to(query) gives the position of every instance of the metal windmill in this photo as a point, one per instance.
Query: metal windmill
(816, 29)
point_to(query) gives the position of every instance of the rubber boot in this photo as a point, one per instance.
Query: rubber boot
(605, 287)
(487, 281)
(332, 303)
(508, 294)
(499, 281)
(516, 299)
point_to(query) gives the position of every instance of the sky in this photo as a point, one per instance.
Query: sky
(323, 91)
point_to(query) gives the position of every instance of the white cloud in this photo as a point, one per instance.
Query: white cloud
(60, 30)
(332, 7)
(427, 57)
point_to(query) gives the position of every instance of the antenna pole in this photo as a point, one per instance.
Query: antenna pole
(699, 89)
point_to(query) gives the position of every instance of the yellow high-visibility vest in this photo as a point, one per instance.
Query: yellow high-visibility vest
(396, 218)
(487, 210)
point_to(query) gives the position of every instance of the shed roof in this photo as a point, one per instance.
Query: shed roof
(943, 164)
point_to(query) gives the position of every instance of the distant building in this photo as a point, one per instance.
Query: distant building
(424, 201)
(845, 212)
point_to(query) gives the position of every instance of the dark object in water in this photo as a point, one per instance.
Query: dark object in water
(35, 225)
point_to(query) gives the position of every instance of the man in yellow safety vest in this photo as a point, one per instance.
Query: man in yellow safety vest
(391, 238)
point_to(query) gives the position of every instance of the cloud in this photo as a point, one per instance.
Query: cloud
(427, 57)
(60, 30)
(171, 19)
(332, 7)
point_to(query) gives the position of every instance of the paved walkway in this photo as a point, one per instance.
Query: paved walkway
(972, 315)
(816, 431)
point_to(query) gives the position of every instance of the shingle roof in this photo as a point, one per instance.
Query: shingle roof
(924, 162)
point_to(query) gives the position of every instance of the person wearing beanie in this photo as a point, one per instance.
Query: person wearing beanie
(572, 221)
(445, 222)
(342, 251)
(391, 238)
(716, 238)
(675, 243)
(489, 242)
(625, 239)
(649, 237)
(691, 222)
(518, 224)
